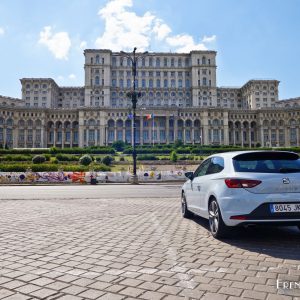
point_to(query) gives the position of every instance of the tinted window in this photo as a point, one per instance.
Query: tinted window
(202, 168)
(216, 165)
(267, 162)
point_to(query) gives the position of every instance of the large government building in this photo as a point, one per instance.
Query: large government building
(180, 100)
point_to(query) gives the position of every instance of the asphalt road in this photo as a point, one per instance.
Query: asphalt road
(130, 242)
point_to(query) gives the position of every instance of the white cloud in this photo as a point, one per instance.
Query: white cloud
(2, 31)
(83, 45)
(58, 43)
(209, 39)
(72, 76)
(124, 29)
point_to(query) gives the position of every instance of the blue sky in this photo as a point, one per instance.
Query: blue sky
(254, 38)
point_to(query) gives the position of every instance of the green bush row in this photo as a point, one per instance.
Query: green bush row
(54, 150)
(50, 168)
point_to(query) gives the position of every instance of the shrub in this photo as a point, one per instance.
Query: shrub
(146, 157)
(85, 160)
(183, 158)
(173, 156)
(53, 160)
(98, 159)
(118, 145)
(39, 159)
(107, 160)
(66, 157)
(122, 158)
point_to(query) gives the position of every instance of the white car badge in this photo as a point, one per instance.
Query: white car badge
(285, 180)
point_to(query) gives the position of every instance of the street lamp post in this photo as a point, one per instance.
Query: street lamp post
(134, 98)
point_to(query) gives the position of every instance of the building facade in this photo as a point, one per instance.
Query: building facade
(178, 90)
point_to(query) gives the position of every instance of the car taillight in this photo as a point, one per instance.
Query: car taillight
(241, 183)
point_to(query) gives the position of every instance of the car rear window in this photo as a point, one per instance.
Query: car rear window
(267, 162)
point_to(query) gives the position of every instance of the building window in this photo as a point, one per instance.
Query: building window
(157, 62)
(97, 59)
(158, 83)
(204, 81)
(166, 83)
(150, 83)
(97, 80)
(203, 60)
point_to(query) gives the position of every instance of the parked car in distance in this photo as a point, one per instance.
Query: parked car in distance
(244, 188)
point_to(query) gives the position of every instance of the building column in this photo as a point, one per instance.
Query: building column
(81, 136)
(205, 135)
(71, 137)
(33, 137)
(25, 138)
(63, 132)
(262, 136)
(193, 135)
(220, 136)
(287, 137)
(167, 130)
(175, 129)
(277, 137)
(250, 137)
(15, 137)
(141, 130)
(43, 144)
(184, 132)
(115, 133)
(124, 133)
(242, 135)
(226, 135)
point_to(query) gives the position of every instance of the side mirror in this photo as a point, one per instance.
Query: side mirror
(189, 175)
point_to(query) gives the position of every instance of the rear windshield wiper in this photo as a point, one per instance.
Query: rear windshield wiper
(288, 170)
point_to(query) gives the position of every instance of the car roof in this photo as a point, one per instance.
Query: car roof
(231, 154)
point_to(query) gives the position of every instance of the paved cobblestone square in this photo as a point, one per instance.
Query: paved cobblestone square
(126, 242)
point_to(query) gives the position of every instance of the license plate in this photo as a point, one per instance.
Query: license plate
(284, 208)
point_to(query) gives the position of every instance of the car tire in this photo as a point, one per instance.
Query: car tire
(217, 226)
(184, 209)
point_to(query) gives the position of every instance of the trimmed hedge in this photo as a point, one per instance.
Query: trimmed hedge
(53, 150)
(50, 168)
(147, 157)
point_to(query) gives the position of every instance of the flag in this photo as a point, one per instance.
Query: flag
(149, 116)
(130, 116)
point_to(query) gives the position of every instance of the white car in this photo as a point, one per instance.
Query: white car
(243, 188)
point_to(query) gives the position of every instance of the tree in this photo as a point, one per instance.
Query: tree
(173, 156)
(85, 160)
(118, 145)
(38, 159)
(107, 160)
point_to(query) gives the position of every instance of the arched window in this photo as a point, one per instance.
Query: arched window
(180, 83)
(150, 83)
(158, 62)
(165, 83)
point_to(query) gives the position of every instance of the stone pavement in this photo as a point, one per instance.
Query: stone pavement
(136, 249)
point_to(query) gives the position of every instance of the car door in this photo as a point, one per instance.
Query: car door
(196, 186)
(209, 183)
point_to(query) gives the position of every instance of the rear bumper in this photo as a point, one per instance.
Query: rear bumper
(263, 215)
